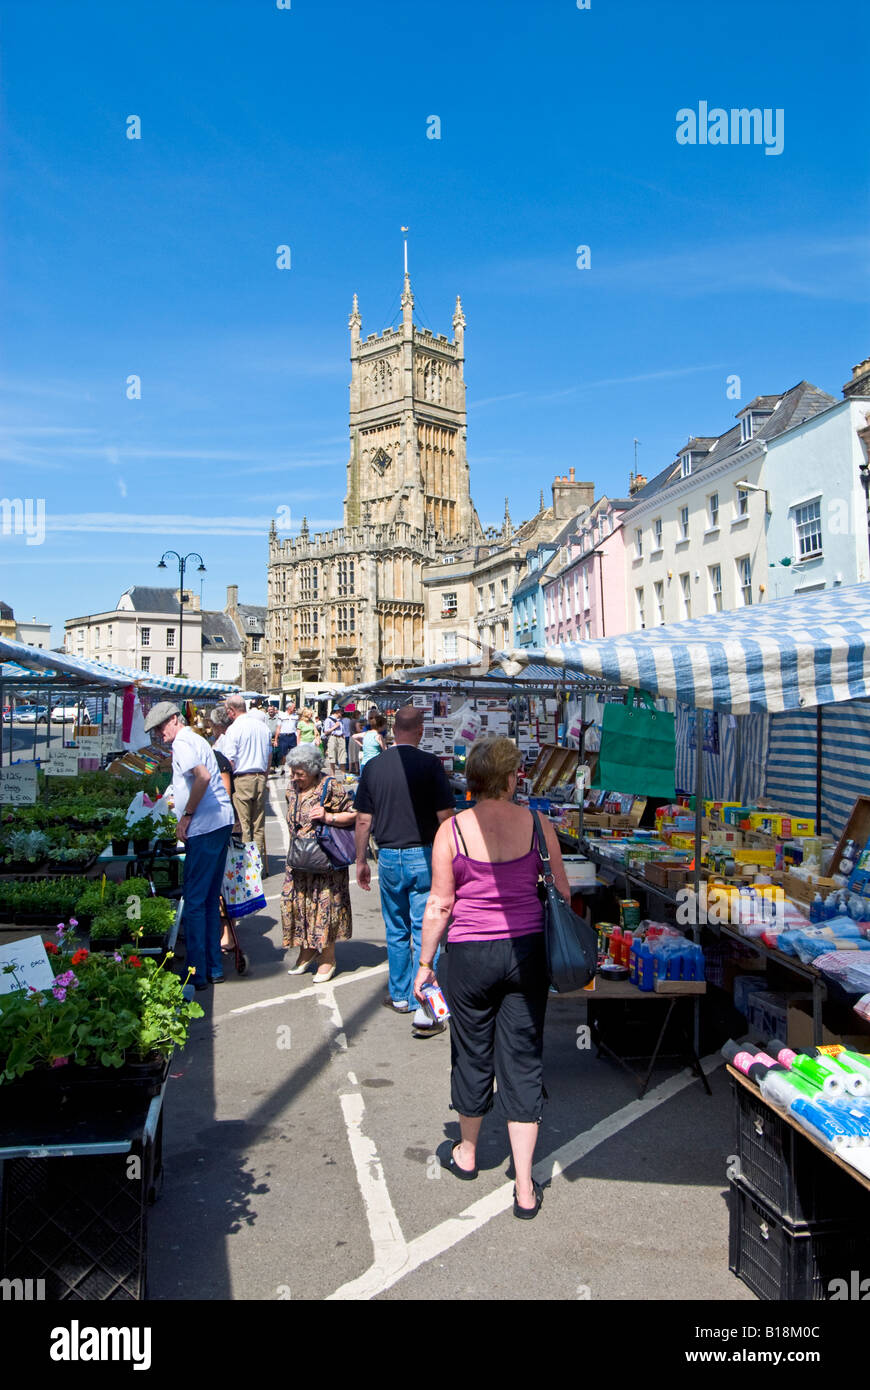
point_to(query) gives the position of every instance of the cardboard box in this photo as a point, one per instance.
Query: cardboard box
(803, 890)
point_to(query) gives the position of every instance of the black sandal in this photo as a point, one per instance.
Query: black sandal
(529, 1213)
(467, 1175)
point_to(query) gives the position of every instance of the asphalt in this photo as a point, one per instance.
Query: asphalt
(304, 1128)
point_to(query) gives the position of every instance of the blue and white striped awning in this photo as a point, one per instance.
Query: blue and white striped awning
(793, 653)
(38, 662)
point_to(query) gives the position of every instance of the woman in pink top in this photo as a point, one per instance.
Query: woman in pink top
(485, 869)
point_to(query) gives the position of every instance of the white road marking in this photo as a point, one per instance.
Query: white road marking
(351, 1076)
(316, 990)
(449, 1233)
(390, 1248)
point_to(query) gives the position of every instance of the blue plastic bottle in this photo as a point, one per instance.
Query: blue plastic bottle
(645, 965)
(817, 909)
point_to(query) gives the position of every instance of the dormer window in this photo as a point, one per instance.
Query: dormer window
(746, 427)
(685, 465)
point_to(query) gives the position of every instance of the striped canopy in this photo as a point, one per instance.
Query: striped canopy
(43, 664)
(790, 654)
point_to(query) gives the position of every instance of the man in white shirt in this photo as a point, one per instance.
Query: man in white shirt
(205, 822)
(248, 747)
(287, 722)
(336, 748)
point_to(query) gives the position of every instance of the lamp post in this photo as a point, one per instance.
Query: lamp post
(182, 565)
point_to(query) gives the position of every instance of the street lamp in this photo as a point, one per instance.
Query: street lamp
(182, 565)
(744, 486)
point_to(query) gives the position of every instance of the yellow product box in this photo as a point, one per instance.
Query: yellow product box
(802, 825)
(726, 837)
(765, 858)
(680, 839)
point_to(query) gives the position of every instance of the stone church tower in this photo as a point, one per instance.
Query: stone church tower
(347, 606)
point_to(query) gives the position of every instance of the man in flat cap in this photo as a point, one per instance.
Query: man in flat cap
(205, 821)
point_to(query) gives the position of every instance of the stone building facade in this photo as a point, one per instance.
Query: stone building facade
(346, 606)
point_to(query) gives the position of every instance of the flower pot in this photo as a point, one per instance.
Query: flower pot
(36, 919)
(152, 941)
(108, 943)
(72, 866)
(120, 846)
(141, 846)
(90, 1086)
(22, 866)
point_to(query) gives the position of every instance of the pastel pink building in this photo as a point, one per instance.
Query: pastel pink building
(583, 586)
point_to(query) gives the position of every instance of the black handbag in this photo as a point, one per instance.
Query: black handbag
(572, 946)
(306, 852)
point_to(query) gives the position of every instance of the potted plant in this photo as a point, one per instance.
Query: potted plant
(113, 1017)
(141, 833)
(119, 834)
(167, 831)
(24, 850)
(156, 916)
(41, 902)
(109, 929)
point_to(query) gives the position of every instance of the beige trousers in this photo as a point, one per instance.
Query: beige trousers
(249, 800)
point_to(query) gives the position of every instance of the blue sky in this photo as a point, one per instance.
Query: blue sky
(307, 127)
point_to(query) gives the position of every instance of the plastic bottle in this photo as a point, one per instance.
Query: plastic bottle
(627, 938)
(616, 945)
(632, 958)
(645, 960)
(817, 909)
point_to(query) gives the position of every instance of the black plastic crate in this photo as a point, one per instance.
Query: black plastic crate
(79, 1223)
(779, 1261)
(787, 1170)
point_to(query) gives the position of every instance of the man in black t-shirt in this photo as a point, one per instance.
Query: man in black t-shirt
(402, 797)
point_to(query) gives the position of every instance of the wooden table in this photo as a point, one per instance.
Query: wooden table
(669, 993)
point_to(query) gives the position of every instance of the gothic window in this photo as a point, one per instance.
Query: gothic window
(432, 382)
(346, 584)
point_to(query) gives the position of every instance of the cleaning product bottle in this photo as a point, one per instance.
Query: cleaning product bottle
(645, 962)
(817, 909)
(627, 938)
(632, 958)
(616, 945)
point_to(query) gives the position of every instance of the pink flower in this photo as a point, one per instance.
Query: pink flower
(60, 1061)
(73, 922)
(59, 994)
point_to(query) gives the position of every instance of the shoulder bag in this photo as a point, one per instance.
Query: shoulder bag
(572, 947)
(306, 852)
(338, 842)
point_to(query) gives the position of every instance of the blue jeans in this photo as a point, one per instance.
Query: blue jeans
(405, 879)
(205, 858)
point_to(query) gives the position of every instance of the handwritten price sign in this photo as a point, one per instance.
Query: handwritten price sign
(18, 784)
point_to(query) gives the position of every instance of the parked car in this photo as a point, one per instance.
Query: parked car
(70, 714)
(31, 714)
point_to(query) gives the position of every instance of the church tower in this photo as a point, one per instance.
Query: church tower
(408, 428)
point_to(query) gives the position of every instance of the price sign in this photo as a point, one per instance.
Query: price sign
(30, 963)
(63, 762)
(18, 784)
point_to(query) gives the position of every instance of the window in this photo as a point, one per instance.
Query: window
(505, 590)
(96, 636)
(145, 663)
(451, 646)
(657, 533)
(213, 671)
(588, 631)
(585, 588)
(345, 578)
(660, 600)
(480, 600)
(638, 594)
(684, 523)
(638, 543)
(170, 666)
(449, 605)
(145, 637)
(685, 465)
(491, 597)
(255, 643)
(808, 529)
(686, 586)
(713, 511)
(744, 571)
(170, 637)
(746, 428)
(742, 502)
(716, 586)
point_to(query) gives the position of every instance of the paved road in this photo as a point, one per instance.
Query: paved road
(303, 1124)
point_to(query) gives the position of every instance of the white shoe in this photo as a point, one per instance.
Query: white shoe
(320, 978)
(298, 969)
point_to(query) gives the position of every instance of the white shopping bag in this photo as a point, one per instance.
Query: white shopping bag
(242, 888)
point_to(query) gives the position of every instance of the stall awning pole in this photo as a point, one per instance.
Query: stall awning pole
(699, 806)
(818, 770)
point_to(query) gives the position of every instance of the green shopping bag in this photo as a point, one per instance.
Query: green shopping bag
(638, 748)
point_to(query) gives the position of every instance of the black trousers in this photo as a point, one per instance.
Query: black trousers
(497, 992)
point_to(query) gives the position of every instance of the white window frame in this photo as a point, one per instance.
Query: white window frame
(451, 646)
(810, 525)
(145, 663)
(449, 603)
(639, 603)
(686, 590)
(170, 666)
(213, 666)
(638, 542)
(659, 587)
(145, 637)
(746, 427)
(685, 465)
(742, 503)
(744, 579)
(657, 534)
(684, 523)
(715, 572)
(713, 512)
(170, 637)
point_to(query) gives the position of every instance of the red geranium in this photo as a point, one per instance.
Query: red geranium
(80, 955)
(134, 961)
(51, 948)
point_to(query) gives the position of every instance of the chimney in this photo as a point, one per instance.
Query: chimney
(571, 496)
(860, 383)
(232, 596)
(635, 482)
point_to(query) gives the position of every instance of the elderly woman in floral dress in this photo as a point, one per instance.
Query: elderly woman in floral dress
(315, 908)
